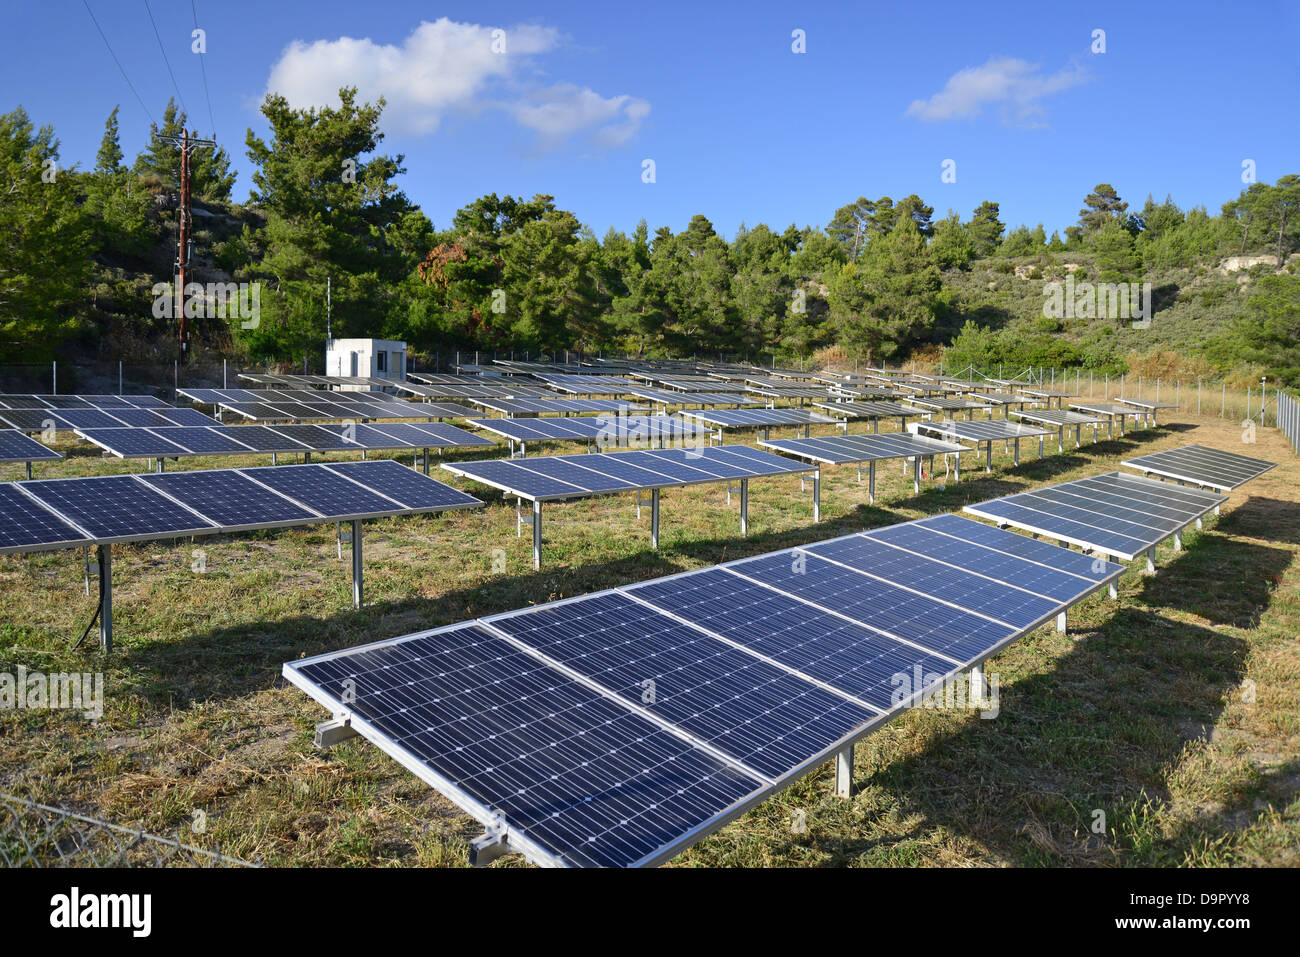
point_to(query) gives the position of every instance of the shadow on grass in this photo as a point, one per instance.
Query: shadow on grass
(1099, 730)
(1272, 519)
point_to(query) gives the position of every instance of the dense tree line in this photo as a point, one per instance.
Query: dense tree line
(82, 250)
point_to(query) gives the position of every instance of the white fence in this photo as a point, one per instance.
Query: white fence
(1288, 418)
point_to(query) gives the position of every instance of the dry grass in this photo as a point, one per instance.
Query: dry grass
(1139, 712)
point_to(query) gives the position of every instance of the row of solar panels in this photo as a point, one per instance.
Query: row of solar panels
(72, 419)
(560, 477)
(32, 401)
(61, 513)
(246, 439)
(618, 728)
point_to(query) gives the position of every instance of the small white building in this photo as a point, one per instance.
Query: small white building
(377, 358)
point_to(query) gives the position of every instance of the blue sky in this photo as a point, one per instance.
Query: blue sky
(740, 127)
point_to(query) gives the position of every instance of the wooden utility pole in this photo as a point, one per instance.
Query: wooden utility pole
(187, 142)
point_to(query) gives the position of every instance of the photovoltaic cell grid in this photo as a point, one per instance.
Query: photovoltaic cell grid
(759, 418)
(605, 428)
(541, 406)
(558, 477)
(693, 398)
(175, 442)
(41, 515)
(869, 410)
(34, 401)
(17, 447)
(73, 419)
(1202, 465)
(843, 449)
(619, 728)
(486, 387)
(987, 430)
(1112, 514)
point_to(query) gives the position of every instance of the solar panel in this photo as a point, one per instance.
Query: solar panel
(605, 428)
(86, 419)
(231, 499)
(557, 477)
(131, 443)
(1114, 513)
(869, 410)
(983, 430)
(948, 404)
(432, 435)
(842, 449)
(1202, 465)
(26, 525)
(216, 440)
(317, 438)
(763, 668)
(1059, 417)
(405, 486)
(17, 447)
(444, 410)
(261, 438)
(117, 508)
(326, 492)
(760, 418)
(538, 406)
(693, 398)
(186, 417)
(136, 418)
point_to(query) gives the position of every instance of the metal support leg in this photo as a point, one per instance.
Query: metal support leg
(1040, 446)
(1060, 439)
(988, 458)
(29, 471)
(817, 496)
(426, 461)
(1151, 561)
(844, 771)
(1078, 429)
(332, 732)
(871, 482)
(916, 474)
(1178, 541)
(1017, 452)
(356, 563)
(744, 507)
(1060, 622)
(105, 555)
(654, 518)
(1199, 523)
(978, 687)
(537, 535)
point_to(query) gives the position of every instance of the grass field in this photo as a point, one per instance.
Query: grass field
(1175, 712)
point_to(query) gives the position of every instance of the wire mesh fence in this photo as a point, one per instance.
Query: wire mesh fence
(37, 835)
(1288, 418)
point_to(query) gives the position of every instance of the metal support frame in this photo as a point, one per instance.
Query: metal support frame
(916, 474)
(104, 554)
(988, 457)
(654, 518)
(1060, 622)
(537, 535)
(978, 694)
(1151, 561)
(1178, 541)
(335, 731)
(871, 481)
(1017, 451)
(487, 847)
(817, 495)
(844, 771)
(744, 507)
(356, 564)
(426, 461)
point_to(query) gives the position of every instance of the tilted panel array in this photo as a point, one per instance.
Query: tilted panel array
(253, 439)
(16, 446)
(759, 418)
(558, 477)
(620, 728)
(843, 449)
(1202, 465)
(1112, 514)
(59, 513)
(605, 428)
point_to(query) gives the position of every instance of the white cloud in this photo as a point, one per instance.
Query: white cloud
(444, 67)
(1016, 86)
(557, 112)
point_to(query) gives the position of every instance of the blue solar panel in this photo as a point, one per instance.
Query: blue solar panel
(229, 498)
(137, 418)
(931, 624)
(17, 447)
(317, 438)
(117, 507)
(403, 485)
(206, 441)
(186, 417)
(936, 580)
(508, 475)
(590, 782)
(32, 420)
(261, 438)
(88, 419)
(698, 683)
(323, 491)
(567, 469)
(133, 443)
(1028, 549)
(26, 525)
(847, 656)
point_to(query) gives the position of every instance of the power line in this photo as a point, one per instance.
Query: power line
(138, 98)
(206, 95)
(175, 85)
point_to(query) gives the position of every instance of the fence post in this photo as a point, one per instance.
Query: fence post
(54, 377)
(223, 373)
(1223, 402)
(119, 376)
(1198, 395)
(1178, 394)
